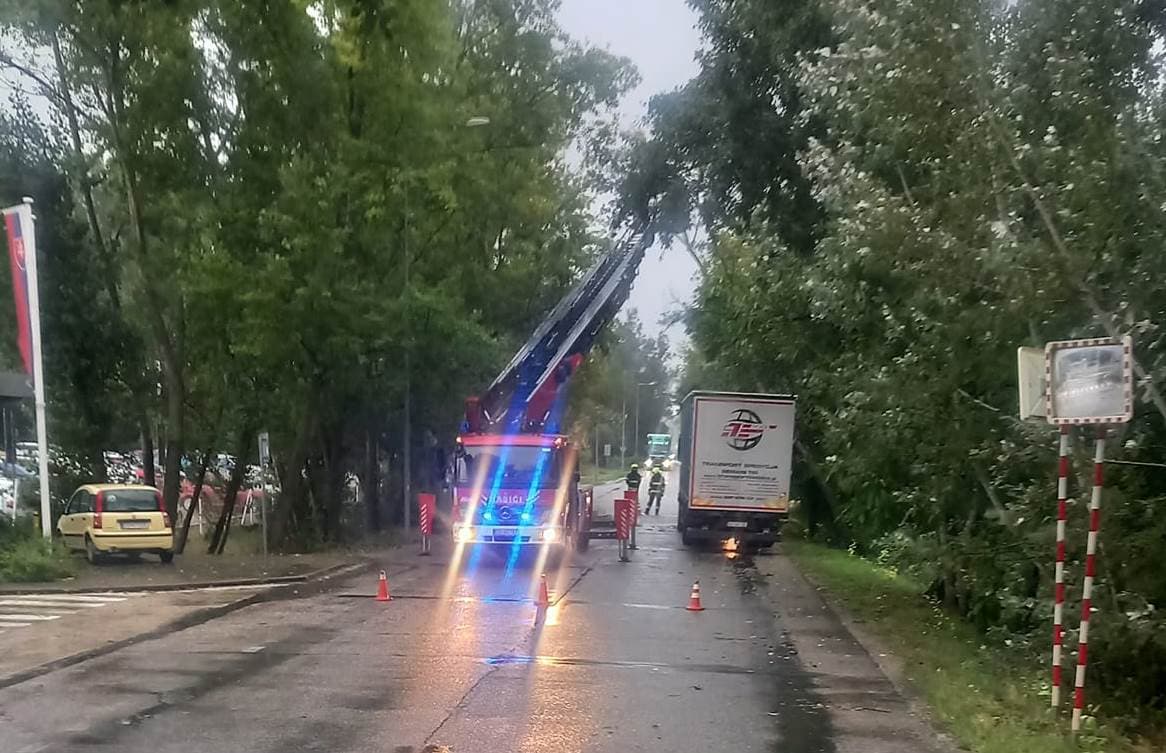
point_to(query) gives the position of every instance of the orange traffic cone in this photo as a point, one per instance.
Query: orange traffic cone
(544, 598)
(383, 588)
(694, 598)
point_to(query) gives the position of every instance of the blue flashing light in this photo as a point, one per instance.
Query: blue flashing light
(488, 516)
(532, 493)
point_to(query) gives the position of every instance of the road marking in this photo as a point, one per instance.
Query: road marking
(63, 599)
(241, 587)
(46, 604)
(31, 617)
(24, 610)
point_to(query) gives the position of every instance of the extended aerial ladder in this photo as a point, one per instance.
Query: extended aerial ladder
(522, 398)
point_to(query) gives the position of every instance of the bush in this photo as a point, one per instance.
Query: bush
(26, 558)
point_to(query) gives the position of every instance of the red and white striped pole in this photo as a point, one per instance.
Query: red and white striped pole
(1090, 571)
(1059, 573)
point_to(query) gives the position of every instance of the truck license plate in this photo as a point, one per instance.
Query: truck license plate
(503, 534)
(738, 524)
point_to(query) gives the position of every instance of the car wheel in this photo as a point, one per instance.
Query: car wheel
(166, 557)
(91, 552)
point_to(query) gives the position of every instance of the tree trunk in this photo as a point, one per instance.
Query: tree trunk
(333, 482)
(97, 460)
(175, 419)
(84, 180)
(149, 471)
(820, 479)
(184, 532)
(167, 335)
(223, 525)
(292, 481)
(371, 482)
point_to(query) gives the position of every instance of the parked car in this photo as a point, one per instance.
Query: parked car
(117, 519)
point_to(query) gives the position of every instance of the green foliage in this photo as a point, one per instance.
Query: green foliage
(993, 698)
(604, 399)
(984, 176)
(27, 558)
(278, 207)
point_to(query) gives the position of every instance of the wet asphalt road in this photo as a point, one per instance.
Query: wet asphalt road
(461, 660)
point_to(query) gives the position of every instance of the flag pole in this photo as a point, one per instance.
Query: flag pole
(38, 372)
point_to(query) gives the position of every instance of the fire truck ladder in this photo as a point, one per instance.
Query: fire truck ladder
(519, 399)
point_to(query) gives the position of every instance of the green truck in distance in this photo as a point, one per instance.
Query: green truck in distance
(659, 451)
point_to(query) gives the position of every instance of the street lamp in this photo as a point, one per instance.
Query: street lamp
(477, 121)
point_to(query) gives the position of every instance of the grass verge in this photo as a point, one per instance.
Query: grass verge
(990, 700)
(32, 560)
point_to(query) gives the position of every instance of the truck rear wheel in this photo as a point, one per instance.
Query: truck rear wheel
(686, 538)
(582, 541)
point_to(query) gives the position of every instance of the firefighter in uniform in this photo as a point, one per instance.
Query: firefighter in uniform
(655, 490)
(633, 478)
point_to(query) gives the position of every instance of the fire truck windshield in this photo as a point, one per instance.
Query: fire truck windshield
(520, 466)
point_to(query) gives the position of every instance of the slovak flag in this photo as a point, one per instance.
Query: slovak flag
(16, 222)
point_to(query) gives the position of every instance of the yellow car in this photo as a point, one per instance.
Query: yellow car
(117, 518)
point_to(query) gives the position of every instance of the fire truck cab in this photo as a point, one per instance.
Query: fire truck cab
(518, 489)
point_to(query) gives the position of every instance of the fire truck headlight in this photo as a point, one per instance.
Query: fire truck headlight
(550, 534)
(465, 533)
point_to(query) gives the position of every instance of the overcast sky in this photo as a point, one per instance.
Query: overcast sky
(660, 38)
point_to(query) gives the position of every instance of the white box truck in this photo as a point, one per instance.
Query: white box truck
(735, 453)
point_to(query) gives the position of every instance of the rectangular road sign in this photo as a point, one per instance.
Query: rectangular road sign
(264, 449)
(1030, 367)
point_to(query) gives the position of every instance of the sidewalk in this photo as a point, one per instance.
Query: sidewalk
(55, 628)
(191, 570)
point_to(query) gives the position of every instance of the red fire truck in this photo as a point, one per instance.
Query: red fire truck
(516, 478)
(519, 488)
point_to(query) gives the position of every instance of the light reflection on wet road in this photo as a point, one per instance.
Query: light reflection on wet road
(463, 661)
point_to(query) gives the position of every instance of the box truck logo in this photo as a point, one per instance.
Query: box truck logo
(744, 430)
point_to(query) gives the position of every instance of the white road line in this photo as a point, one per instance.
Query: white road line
(49, 610)
(78, 599)
(46, 604)
(245, 587)
(31, 617)
(24, 610)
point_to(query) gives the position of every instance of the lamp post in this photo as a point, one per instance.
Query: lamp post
(477, 121)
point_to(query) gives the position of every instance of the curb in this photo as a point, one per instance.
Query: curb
(160, 587)
(195, 618)
(875, 650)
